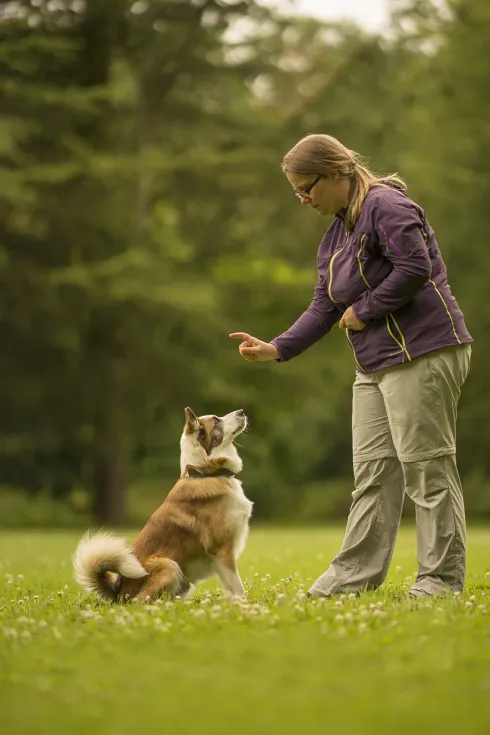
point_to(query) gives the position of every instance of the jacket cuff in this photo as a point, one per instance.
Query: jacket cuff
(282, 357)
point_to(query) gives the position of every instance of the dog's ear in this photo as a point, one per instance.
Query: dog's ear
(191, 421)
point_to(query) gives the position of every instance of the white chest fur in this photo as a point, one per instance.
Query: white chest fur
(239, 510)
(239, 504)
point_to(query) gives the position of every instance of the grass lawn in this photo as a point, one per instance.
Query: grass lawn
(277, 664)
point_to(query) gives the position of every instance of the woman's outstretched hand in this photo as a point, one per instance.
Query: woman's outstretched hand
(254, 349)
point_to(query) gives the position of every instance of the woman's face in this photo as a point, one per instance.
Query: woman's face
(327, 195)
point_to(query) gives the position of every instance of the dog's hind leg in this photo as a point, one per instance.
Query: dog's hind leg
(165, 578)
(227, 571)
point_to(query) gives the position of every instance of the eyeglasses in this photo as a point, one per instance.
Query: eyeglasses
(306, 192)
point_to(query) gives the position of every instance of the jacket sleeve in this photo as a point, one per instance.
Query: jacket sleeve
(397, 227)
(314, 323)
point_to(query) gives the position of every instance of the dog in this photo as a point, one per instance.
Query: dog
(199, 530)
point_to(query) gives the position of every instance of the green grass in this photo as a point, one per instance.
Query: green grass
(278, 664)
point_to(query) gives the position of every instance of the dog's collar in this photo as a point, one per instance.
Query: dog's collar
(222, 472)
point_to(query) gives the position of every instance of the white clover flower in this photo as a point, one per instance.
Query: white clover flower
(363, 627)
(339, 618)
(352, 596)
(42, 624)
(20, 577)
(25, 634)
(399, 569)
(339, 603)
(198, 613)
(22, 620)
(10, 633)
(281, 599)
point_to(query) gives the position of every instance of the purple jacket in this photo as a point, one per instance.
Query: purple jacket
(390, 270)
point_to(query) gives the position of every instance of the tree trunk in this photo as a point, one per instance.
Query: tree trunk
(110, 487)
(111, 449)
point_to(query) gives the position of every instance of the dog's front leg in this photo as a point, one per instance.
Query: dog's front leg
(228, 574)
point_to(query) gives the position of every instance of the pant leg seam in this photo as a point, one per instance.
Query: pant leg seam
(453, 511)
(361, 558)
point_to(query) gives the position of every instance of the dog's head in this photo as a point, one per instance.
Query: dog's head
(206, 437)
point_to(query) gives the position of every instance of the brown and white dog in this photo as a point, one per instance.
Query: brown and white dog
(199, 530)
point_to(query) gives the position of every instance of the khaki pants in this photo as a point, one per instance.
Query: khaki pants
(404, 440)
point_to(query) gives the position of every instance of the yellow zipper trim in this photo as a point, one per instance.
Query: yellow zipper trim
(353, 351)
(426, 238)
(330, 270)
(447, 310)
(359, 261)
(402, 345)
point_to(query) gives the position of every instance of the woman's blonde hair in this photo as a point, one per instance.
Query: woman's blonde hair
(324, 155)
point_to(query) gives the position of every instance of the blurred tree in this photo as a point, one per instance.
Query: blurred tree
(144, 215)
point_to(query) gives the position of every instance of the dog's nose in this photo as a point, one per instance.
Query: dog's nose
(241, 412)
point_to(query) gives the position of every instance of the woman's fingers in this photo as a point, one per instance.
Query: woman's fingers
(241, 335)
(247, 350)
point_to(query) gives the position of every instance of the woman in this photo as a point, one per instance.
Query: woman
(382, 277)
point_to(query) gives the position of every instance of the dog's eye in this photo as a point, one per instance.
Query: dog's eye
(216, 419)
(202, 431)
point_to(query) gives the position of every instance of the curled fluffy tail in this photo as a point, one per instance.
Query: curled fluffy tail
(96, 556)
